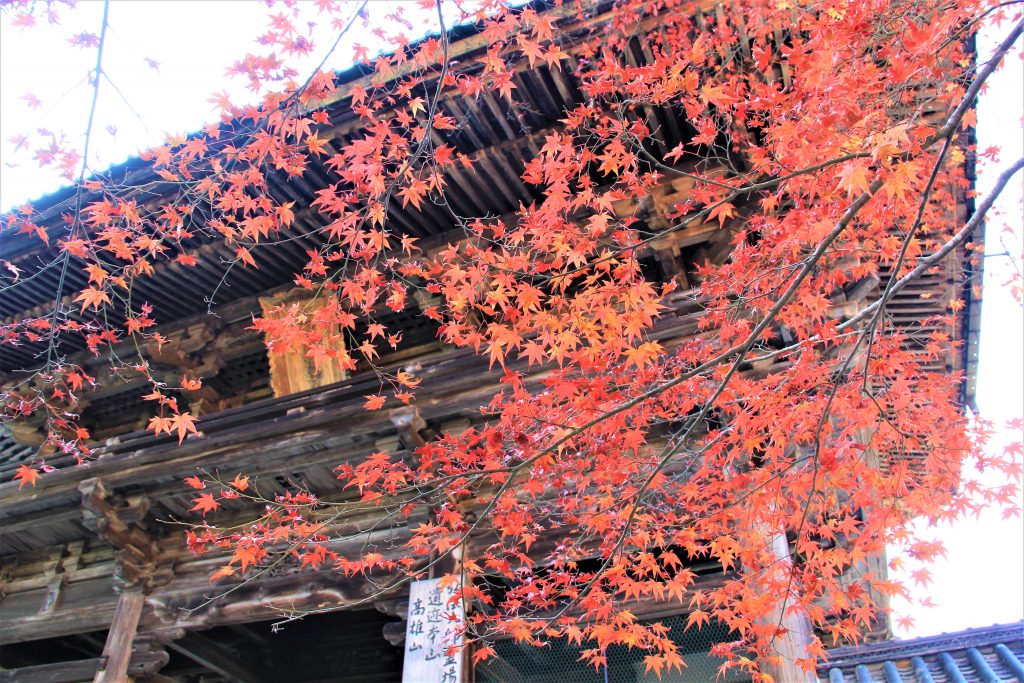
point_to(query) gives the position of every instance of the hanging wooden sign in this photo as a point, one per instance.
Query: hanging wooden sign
(433, 635)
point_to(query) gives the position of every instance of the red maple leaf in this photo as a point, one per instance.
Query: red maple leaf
(205, 503)
(27, 475)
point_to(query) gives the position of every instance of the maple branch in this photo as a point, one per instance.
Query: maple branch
(971, 27)
(878, 307)
(338, 513)
(611, 429)
(826, 412)
(97, 74)
(391, 186)
(42, 269)
(975, 88)
(922, 266)
(959, 238)
(904, 248)
(943, 134)
(128, 104)
(292, 104)
(360, 8)
(739, 350)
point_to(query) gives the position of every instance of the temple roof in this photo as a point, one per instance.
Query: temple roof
(977, 655)
(498, 135)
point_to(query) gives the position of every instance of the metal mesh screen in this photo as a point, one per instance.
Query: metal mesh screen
(558, 661)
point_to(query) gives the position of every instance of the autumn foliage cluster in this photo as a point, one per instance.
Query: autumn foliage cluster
(830, 139)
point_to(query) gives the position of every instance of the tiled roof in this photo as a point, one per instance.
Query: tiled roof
(980, 655)
(11, 451)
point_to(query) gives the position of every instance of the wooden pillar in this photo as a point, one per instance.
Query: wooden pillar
(121, 522)
(117, 652)
(796, 632)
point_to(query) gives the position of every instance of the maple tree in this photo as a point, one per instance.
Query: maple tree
(828, 140)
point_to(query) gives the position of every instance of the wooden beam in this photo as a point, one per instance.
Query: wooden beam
(60, 672)
(17, 625)
(117, 652)
(216, 658)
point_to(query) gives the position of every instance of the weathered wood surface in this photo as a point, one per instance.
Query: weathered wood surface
(314, 431)
(455, 384)
(117, 652)
(117, 521)
(61, 672)
(186, 601)
(292, 371)
(88, 600)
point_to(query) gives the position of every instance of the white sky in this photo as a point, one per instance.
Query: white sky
(981, 582)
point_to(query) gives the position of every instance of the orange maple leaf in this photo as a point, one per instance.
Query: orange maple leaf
(723, 212)
(96, 274)
(205, 503)
(854, 178)
(246, 556)
(159, 424)
(93, 297)
(27, 475)
(183, 423)
(75, 379)
(226, 570)
(245, 257)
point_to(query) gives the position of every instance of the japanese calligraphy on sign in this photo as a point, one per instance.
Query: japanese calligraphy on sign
(433, 631)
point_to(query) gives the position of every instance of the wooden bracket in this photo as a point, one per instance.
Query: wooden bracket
(116, 520)
(149, 655)
(393, 607)
(410, 425)
(394, 632)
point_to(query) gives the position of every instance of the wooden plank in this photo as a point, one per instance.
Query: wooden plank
(92, 610)
(59, 672)
(117, 652)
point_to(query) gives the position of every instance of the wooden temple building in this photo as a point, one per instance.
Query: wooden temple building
(96, 579)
